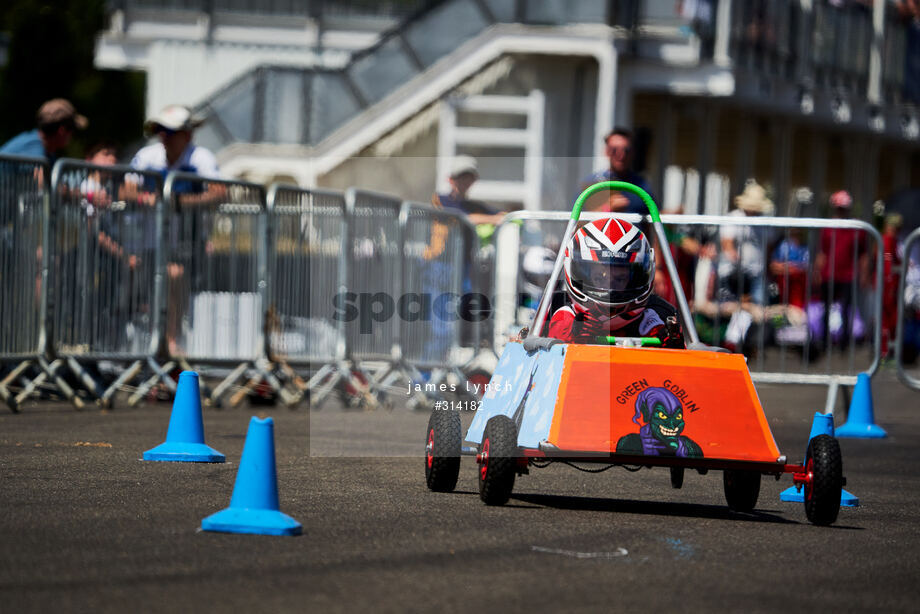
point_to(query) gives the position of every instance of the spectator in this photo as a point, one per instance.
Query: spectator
(174, 126)
(619, 151)
(684, 243)
(710, 314)
(789, 267)
(103, 153)
(743, 247)
(57, 120)
(463, 174)
(842, 255)
(890, 247)
(93, 186)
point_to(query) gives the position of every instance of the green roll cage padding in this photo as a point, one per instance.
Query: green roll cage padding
(615, 185)
(646, 341)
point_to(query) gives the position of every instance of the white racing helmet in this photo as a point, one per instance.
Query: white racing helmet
(609, 268)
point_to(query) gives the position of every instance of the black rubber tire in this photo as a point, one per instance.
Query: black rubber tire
(498, 452)
(741, 489)
(442, 450)
(677, 477)
(822, 497)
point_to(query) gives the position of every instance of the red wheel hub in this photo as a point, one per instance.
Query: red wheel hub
(484, 459)
(809, 478)
(429, 449)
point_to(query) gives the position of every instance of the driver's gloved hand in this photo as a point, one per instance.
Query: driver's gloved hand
(673, 335)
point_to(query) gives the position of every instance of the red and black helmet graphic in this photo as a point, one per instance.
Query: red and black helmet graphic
(609, 268)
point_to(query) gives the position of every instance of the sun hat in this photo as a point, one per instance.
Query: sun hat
(754, 199)
(462, 165)
(173, 117)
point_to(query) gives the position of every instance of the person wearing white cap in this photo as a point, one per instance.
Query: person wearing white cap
(174, 126)
(464, 172)
(56, 120)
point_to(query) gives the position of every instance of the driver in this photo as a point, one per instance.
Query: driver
(609, 271)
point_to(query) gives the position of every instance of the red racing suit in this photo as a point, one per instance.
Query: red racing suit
(650, 321)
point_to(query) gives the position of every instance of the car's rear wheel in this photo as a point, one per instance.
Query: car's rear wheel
(498, 454)
(442, 450)
(741, 489)
(677, 477)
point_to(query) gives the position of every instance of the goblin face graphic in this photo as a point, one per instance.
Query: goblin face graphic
(661, 427)
(665, 425)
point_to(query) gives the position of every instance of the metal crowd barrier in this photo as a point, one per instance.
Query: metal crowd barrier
(106, 251)
(216, 276)
(429, 307)
(374, 250)
(907, 340)
(752, 284)
(307, 270)
(437, 308)
(24, 211)
(141, 276)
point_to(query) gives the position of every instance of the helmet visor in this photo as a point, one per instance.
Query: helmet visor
(613, 282)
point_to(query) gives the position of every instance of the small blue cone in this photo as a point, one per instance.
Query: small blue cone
(861, 419)
(823, 424)
(254, 504)
(185, 437)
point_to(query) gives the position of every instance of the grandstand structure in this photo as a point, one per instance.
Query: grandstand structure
(331, 94)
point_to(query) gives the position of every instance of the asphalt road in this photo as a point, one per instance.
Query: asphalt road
(92, 528)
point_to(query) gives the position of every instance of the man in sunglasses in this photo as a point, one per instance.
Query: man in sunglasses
(175, 151)
(618, 147)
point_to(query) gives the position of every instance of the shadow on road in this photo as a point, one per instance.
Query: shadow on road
(654, 508)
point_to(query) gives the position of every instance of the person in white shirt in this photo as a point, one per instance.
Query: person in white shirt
(174, 126)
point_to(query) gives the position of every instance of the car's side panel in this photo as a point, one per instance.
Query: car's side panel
(585, 398)
(608, 397)
(524, 387)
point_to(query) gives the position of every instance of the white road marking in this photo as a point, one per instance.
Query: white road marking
(620, 552)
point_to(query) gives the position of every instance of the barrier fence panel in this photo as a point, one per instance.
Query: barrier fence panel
(374, 250)
(23, 216)
(106, 249)
(216, 274)
(907, 341)
(307, 270)
(800, 297)
(432, 307)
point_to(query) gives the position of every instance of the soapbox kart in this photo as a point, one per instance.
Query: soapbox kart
(623, 403)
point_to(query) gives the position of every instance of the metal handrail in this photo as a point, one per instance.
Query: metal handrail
(906, 378)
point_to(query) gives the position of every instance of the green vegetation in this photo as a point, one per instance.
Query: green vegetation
(51, 46)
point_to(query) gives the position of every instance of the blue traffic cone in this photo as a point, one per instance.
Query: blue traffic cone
(185, 437)
(861, 418)
(823, 424)
(254, 504)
